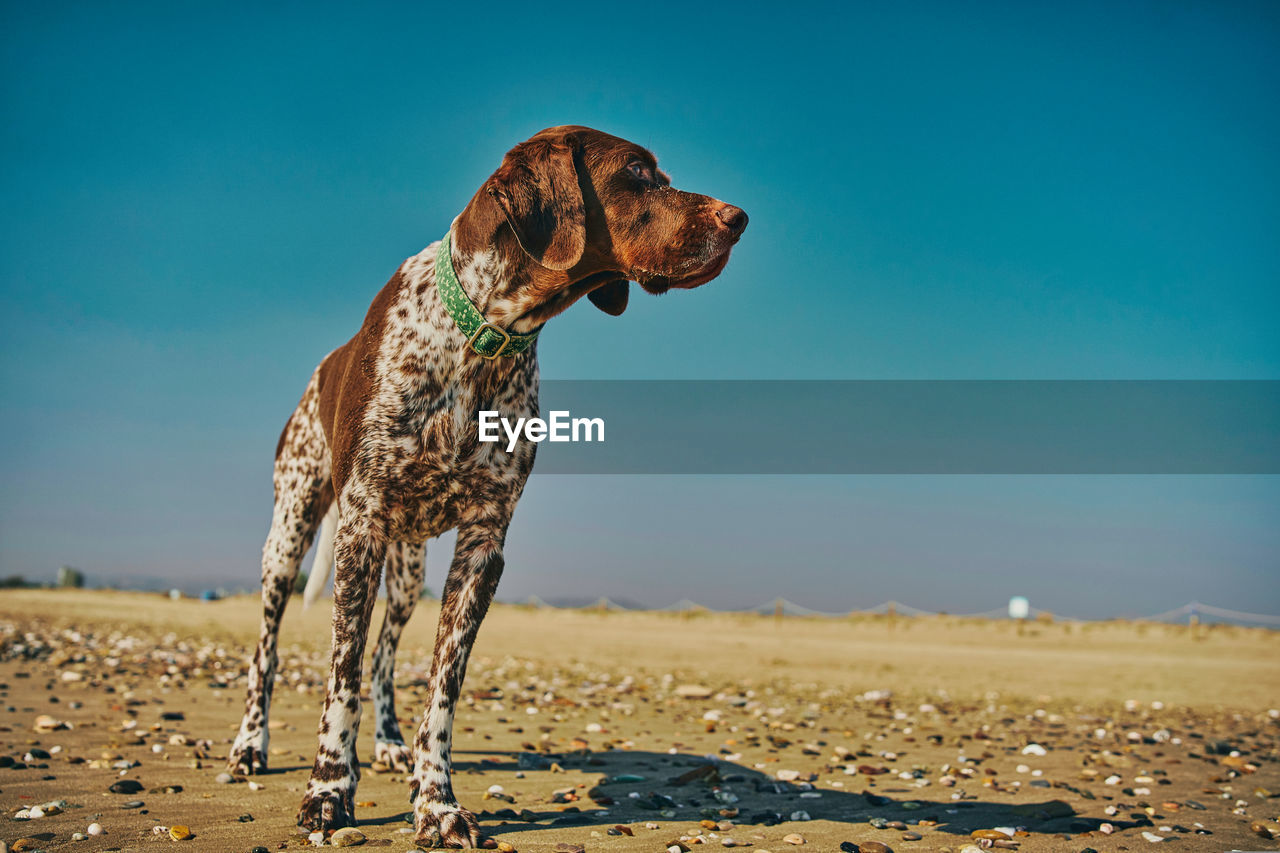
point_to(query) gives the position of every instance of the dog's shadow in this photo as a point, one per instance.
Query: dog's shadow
(636, 787)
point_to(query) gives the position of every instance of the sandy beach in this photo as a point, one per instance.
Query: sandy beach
(647, 731)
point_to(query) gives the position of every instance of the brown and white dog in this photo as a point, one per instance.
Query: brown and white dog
(383, 446)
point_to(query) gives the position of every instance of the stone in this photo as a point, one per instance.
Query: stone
(794, 838)
(566, 847)
(874, 847)
(179, 832)
(911, 836)
(95, 829)
(45, 723)
(126, 786)
(693, 691)
(990, 834)
(347, 837)
(506, 847)
(1152, 837)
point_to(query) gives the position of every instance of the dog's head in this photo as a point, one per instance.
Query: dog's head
(580, 212)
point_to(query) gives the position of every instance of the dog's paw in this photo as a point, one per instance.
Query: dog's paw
(449, 825)
(396, 755)
(247, 759)
(327, 809)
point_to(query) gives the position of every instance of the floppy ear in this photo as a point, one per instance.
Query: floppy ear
(611, 297)
(537, 189)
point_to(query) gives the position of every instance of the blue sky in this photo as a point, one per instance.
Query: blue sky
(201, 200)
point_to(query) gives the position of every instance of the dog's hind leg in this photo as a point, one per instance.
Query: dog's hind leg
(303, 493)
(406, 563)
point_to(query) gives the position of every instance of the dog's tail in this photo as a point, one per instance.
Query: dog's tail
(322, 568)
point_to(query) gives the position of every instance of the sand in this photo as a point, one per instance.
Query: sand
(931, 722)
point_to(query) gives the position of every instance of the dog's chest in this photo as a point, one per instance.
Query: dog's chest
(425, 457)
(438, 475)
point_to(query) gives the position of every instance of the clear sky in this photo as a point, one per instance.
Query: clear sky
(200, 200)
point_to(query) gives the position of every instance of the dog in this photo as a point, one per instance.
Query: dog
(382, 452)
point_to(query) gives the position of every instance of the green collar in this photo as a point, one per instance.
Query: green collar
(483, 338)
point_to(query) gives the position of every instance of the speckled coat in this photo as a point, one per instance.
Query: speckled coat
(384, 444)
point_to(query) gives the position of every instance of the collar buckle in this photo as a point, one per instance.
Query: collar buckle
(471, 341)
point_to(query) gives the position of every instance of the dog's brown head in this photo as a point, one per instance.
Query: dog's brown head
(578, 212)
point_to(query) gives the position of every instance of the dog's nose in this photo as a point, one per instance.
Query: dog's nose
(733, 218)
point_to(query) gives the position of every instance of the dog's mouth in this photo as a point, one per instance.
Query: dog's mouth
(656, 284)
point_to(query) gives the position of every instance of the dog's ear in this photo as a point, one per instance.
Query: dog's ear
(611, 297)
(537, 189)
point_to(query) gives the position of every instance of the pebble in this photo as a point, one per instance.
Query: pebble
(911, 836)
(990, 834)
(347, 837)
(800, 815)
(693, 691)
(224, 779)
(178, 832)
(44, 723)
(506, 847)
(1152, 837)
(95, 829)
(794, 838)
(126, 786)
(1034, 749)
(874, 847)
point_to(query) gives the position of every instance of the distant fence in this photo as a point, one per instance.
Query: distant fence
(1192, 612)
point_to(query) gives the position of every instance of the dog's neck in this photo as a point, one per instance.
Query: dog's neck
(507, 286)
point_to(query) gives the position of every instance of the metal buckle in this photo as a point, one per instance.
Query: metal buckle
(471, 341)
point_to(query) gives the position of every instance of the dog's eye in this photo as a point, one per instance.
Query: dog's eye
(641, 170)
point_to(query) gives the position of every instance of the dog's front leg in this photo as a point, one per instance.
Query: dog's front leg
(468, 590)
(329, 802)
